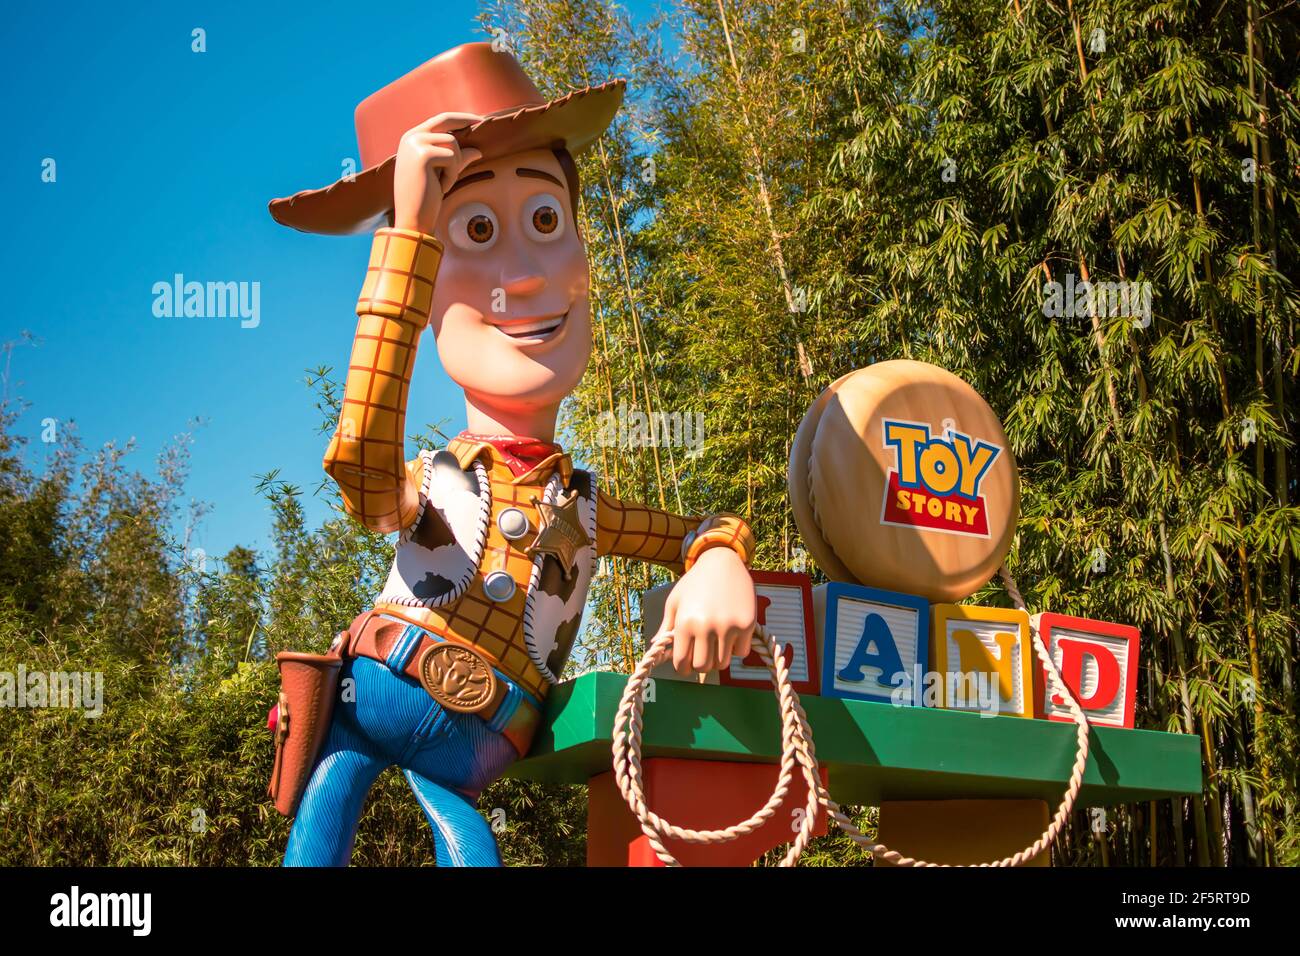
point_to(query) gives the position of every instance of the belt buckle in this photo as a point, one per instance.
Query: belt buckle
(458, 677)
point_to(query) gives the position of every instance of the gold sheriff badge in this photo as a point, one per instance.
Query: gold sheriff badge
(561, 533)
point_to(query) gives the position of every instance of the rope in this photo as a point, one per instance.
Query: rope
(797, 748)
(627, 755)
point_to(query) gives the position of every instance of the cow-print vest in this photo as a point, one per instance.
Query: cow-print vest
(437, 559)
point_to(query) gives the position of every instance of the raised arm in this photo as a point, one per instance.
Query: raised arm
(366, 456)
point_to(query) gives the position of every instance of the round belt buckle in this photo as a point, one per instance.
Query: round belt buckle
(457, 677)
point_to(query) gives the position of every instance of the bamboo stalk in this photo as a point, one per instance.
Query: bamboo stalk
(1212, 783)
(1189, 723)
(1176, 813)
(1243, 564)
(1153, 831)
(765, 199)
(1260, 154)
(1281, 482)
(646, 373)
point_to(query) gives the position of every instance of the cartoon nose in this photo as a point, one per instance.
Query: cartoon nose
(528, 283)
(521, 274)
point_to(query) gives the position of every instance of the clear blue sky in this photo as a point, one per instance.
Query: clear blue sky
(165, 161)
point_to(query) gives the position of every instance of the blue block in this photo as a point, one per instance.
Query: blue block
(867, 632)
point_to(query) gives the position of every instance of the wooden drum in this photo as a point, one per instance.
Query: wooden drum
(901, 478)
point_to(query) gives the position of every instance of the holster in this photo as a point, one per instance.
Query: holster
(308, 688)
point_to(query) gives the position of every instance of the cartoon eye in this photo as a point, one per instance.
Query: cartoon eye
(473, 227)
(543, 220)
(479, 228)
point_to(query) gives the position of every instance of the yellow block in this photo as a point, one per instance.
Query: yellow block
(985, 657)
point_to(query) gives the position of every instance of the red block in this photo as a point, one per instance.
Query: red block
(699, 795)
(785, 608)
(1098, 661)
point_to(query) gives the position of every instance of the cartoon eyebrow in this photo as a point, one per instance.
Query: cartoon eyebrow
(538, 174)
(466, 180)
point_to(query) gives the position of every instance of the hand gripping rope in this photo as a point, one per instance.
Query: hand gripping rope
(797, 748)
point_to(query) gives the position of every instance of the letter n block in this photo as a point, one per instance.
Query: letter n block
(1098, 662)
(971, 645)
(871, 637)
(785, 608)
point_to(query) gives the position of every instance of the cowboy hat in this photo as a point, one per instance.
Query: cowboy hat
(471, 78)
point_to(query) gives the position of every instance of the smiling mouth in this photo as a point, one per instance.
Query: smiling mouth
(535, 330)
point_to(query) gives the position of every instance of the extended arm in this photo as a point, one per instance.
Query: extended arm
(627, 529)
(711, 610)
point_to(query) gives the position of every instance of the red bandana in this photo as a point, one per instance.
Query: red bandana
(520, 453)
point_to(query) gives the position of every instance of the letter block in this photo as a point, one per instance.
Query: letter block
(984, 659)
(875, 641)
(785, 608)
(1098, 662)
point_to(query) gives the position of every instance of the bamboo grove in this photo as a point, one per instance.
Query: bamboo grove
(797, 189)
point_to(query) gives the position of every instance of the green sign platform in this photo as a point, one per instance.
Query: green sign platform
(873, 752)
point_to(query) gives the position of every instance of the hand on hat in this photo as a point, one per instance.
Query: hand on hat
(429, 160)
(712, 612)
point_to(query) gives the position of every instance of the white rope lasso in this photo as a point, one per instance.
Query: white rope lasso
(797, 747)
(627, 756)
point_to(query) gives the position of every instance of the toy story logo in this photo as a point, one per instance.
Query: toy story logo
(935, 481)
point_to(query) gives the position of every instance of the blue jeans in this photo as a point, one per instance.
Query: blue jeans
(384, 719)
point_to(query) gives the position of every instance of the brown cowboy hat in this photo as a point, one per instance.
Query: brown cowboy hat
(471, 78)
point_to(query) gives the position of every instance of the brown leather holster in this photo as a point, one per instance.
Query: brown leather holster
(308, 689)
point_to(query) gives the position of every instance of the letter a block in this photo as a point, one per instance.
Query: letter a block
(987, 649)
(875, 641)
(1098, 662)
(785, 608)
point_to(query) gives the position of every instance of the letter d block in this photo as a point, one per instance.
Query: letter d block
(984, 658)
(1098, 662)
(875, 643)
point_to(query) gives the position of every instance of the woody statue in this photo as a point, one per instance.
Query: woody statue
(470, 187)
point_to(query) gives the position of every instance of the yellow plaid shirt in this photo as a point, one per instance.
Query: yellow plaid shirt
(381, 490)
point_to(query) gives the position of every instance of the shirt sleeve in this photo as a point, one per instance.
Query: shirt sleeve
(629, 530)
(366, 453)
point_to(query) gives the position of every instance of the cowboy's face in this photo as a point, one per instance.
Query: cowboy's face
(510, 307)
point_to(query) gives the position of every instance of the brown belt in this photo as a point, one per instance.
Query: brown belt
(456, 674)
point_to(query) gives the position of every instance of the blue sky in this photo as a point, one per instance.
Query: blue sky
(165, 159)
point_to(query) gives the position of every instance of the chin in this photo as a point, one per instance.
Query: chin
(524, 384)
